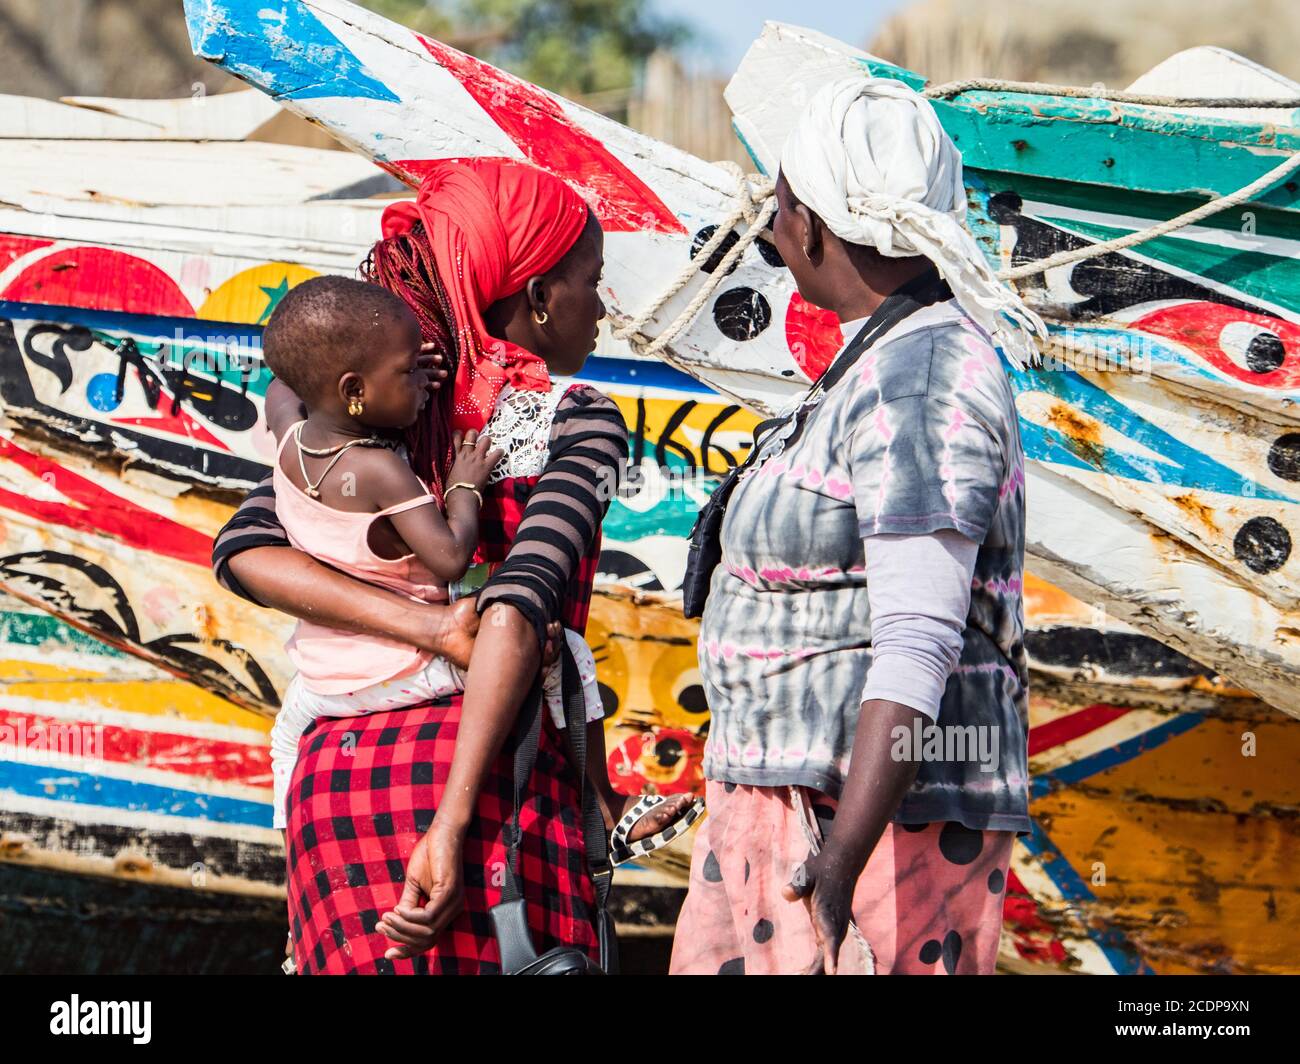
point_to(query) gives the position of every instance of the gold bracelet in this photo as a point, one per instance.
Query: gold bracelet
(467, 486)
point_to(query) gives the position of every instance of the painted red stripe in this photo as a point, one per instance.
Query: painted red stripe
(100, 511)
(186, 755)
(13, 248)
(1063, 729)
(550, 139)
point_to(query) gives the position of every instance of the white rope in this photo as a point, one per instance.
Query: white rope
(755, 204)
(1040, 88)
(1092, 251)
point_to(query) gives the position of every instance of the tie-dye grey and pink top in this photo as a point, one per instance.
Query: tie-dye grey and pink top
(920, 435)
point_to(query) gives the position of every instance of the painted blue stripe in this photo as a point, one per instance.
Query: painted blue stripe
(634, 373)
(1119, 952)
(1045, 782)
(83, 788)
(1176, 463)
(280, 47)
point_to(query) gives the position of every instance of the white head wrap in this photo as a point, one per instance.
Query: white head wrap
(869, 157)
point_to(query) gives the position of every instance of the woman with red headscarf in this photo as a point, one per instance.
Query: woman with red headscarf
(500, 262)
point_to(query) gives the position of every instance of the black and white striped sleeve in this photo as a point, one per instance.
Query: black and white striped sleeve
(254, 524)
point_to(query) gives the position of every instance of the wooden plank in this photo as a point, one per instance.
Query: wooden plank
(230, 116)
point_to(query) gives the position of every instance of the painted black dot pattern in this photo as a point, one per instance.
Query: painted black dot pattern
(1264, 353)
(735, 966)
(763, 931)
(769, 253)
(714, 260)
(1284, 457)
(1262, 544)
(712, 870)
(931, 951)
(996, 881)
(668, 752)
(959, 844)
(741, 313)
(691, 699)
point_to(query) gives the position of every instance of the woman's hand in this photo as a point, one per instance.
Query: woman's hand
(432, 898)
(825, 884)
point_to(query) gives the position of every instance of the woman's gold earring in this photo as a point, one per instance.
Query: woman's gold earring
(356, 407)
(541, 318)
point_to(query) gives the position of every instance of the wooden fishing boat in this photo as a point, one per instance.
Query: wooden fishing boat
(131, 384)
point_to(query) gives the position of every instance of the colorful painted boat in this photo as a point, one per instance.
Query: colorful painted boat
(131, 386)
(1188, 507)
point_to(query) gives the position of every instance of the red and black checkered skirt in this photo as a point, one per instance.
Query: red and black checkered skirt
(365, 790)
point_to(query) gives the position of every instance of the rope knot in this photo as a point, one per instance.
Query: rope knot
(754, 204)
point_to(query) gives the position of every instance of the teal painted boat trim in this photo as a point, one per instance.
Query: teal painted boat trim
(40, 629)
(1115, 155)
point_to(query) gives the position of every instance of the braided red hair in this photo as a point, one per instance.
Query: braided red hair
(404, 265)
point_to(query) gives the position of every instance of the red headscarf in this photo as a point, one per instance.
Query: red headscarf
(492, 224)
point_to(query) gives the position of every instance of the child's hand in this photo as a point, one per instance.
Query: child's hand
(432, 363)
(475, 457)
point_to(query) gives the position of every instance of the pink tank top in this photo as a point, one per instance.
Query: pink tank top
(330, 661)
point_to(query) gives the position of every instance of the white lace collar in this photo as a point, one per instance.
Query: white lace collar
(521, 424)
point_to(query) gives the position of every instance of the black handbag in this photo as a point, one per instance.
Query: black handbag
(509, 917)
(704, 550)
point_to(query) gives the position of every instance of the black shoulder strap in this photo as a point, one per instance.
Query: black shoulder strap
(922, 291)
(528, 732)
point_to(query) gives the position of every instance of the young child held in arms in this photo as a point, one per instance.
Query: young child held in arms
(347, 358)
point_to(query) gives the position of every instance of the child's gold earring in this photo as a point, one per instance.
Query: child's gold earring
(356, 407)
(541, 318)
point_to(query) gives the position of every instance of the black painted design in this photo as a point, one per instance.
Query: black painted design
(741, 313)
(1109, 282)
(769, 254)
(735, 966)
(996, 881)
(691, 699)
(1118, 653)
(931, 951)
(714, 260)
(1284, 456)
(763, 931)
(712, 870)
(212, 401)
(1265, 353)
(1262, 544)
(84, 593)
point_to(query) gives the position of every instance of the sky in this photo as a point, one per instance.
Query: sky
(726, 28)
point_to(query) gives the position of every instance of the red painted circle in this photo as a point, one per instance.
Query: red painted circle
(813, 336)
(100, 279)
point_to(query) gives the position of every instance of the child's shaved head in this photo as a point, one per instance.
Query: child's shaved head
(325, 328)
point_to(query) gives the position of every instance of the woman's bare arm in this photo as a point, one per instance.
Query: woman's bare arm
(501, 671)
(288, 580)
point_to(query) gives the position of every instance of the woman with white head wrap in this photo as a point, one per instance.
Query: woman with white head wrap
(871, 160)
(868, 610)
